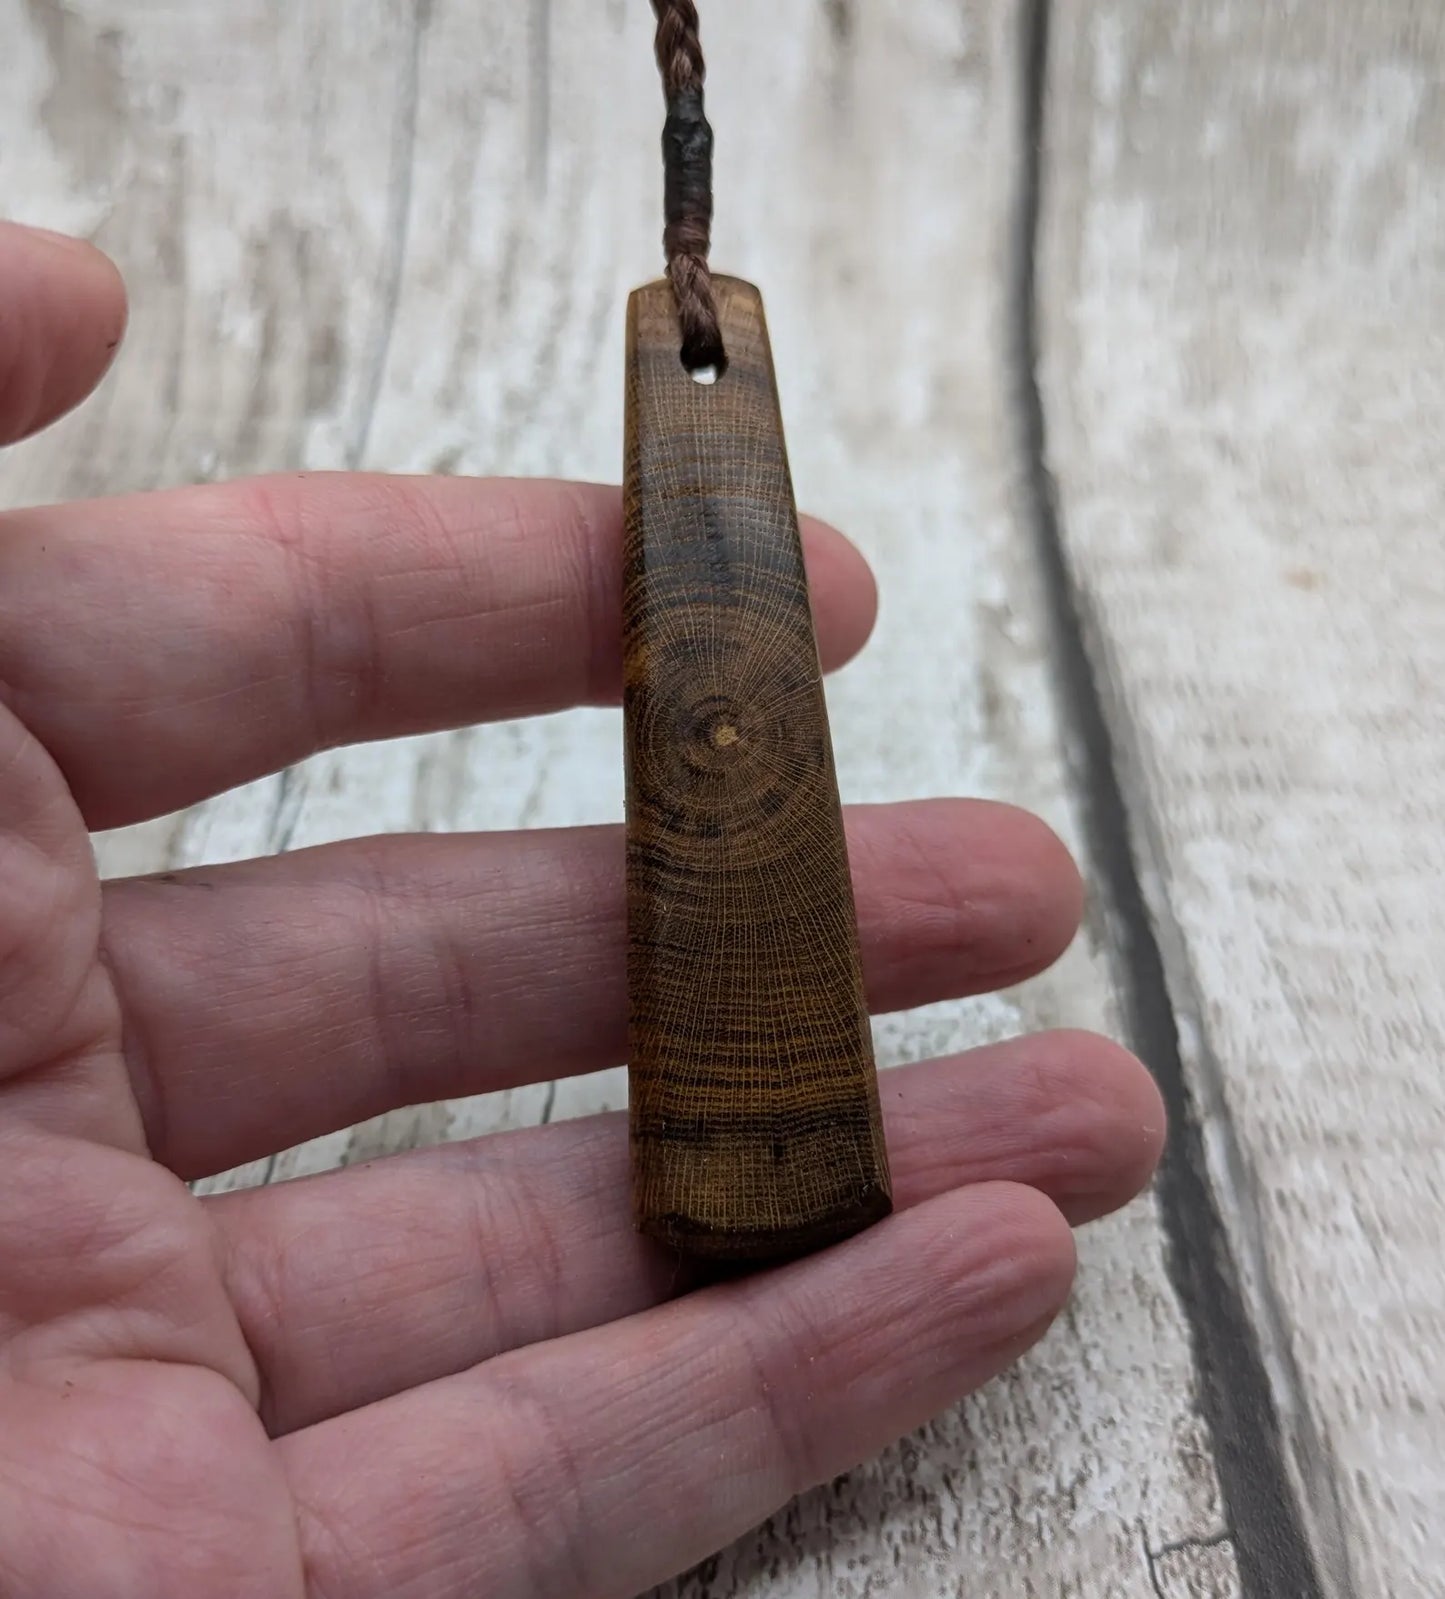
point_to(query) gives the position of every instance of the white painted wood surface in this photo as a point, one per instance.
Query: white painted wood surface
(400, 236)
(1244, 327)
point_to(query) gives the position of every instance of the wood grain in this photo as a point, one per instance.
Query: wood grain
(486, 175)
(1243, 287)
(756, 1131)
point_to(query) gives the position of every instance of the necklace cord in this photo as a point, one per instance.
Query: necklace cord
(687, 184)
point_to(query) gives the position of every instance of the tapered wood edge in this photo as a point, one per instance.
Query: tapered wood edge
(721, 283)
(725, 288)
(687, 1237)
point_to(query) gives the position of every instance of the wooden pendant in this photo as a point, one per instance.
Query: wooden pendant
(754, 1102)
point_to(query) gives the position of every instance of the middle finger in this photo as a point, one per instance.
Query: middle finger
(275, 1000)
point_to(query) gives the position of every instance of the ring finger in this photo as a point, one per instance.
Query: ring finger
(366, 1282)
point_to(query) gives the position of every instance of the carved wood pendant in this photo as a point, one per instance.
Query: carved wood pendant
(754, 1101)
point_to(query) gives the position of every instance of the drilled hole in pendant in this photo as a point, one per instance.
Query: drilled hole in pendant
(705, 361)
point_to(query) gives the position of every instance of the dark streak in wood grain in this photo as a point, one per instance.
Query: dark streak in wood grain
(754, 1102)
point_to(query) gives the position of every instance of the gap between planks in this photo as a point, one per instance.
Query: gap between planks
(1275, 1558)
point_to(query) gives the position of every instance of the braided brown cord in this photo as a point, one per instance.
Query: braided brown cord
(687, 180)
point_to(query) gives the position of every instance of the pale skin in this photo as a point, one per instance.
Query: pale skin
(454, 1371)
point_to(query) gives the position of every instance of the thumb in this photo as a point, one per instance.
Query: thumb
(62, 313)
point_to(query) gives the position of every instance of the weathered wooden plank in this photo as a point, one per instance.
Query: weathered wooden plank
(480, 188)
(1243, 292)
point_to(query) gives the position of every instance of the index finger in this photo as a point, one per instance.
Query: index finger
(60, 323)
(166, 646)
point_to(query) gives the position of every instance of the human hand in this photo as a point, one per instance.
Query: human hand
(458, 1370)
